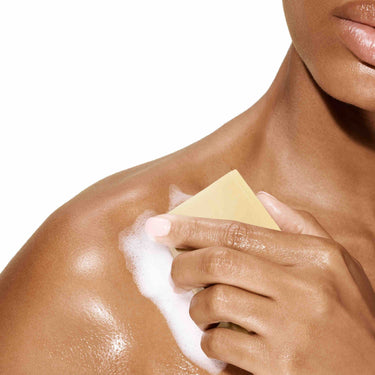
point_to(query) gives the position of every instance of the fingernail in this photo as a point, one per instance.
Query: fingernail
(265, 193)
(270, 202)
(157, 226)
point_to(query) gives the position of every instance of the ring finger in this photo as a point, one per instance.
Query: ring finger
(224, 303)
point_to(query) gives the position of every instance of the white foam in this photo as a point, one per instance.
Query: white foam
(150, 264)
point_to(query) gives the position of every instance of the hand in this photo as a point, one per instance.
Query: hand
(308, 304)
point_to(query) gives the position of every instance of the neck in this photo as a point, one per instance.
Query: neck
(298, 96)
(312, 146)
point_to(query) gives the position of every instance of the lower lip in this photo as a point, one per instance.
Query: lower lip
(358, 38)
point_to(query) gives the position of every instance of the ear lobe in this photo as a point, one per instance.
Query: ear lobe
(289, 219)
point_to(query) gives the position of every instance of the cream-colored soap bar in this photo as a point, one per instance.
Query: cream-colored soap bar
(228, 198)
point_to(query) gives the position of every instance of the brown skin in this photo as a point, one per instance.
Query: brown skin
(67, 297)
(307, 302)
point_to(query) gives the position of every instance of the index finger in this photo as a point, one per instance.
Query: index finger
(187, 232)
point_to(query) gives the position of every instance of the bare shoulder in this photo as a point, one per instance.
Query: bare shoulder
(69, 303)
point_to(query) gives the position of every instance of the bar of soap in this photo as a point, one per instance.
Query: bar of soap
(228, 198)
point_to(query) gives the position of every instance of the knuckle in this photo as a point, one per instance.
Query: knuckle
(186, 232)
(212, 342)
(209, 302)
(235, 234)
(194, 226)
(334, 255)
(216, 261)
(216, 299)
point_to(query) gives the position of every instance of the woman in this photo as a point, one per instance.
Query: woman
(69, 304)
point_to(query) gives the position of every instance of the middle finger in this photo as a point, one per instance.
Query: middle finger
(224, 303)
(220, 265)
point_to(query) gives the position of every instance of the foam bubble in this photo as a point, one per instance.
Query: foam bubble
(150, 264)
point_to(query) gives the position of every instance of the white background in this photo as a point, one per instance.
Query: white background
(89, 88)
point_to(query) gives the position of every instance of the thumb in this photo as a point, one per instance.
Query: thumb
(290, 219)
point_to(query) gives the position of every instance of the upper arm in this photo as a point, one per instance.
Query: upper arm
(69, 303)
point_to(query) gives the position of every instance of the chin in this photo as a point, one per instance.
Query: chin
(352, 83)
(363, 88)
(360, 94)
(365, 103)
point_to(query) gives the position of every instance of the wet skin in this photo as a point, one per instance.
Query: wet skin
(68, 302)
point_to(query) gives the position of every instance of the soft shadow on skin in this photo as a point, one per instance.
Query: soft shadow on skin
(236, 370)
(351, 119)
